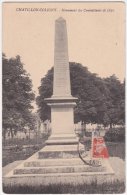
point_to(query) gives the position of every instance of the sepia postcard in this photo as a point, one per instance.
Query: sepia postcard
(63, 97)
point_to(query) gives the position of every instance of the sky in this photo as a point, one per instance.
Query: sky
(96, 36)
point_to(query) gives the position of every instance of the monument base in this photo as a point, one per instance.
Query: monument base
(58, 161)
(62, 119)
(62, 139)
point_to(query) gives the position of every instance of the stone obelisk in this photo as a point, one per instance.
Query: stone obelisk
(62, 103)
(59, 159)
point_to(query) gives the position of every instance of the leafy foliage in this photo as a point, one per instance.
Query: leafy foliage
(99, 100)
(115, 134)
(45, 91)
(17, 95)
(115, 101)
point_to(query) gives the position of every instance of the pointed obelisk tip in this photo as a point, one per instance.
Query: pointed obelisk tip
(60, 19)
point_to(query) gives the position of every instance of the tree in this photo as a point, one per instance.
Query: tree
(122, 104)
(98, 98)
(89, 89)
(82, 86)
(115, 101)
(17, 96)
(45, 91)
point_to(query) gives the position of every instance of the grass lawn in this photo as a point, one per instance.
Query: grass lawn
(116, 149)
(25, 149)
(10, 156)
(93, 188)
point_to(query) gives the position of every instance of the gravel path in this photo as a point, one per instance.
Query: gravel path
(10, 166)
(118, 166)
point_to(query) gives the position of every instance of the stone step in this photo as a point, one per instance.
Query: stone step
(57, 154)
(53, 162)
(58, 151)
(58, 169)
(60, 142)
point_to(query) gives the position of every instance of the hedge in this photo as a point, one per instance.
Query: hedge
(115, 134)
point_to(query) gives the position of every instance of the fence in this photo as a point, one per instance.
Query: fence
(22, 145)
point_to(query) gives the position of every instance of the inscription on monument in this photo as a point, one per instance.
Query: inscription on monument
(61, 61)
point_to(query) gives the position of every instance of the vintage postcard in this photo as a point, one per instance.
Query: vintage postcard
(63, 97)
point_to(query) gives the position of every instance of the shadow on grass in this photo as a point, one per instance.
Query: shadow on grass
(93, 188)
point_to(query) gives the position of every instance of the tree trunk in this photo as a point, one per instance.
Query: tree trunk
(111, 125)
(4, 137)
(83, 126)
(11, 131)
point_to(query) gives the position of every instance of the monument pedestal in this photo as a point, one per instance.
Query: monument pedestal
(62, 119)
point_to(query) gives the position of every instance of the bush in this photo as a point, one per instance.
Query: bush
(115, 134)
